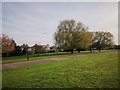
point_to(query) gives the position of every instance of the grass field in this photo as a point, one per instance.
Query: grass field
(96, 71)
(42, 56)
(32, 57)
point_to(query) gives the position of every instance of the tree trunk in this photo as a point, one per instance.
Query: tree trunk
(78, 51)
(27, 55)
(99, 49)
(71, 51)
(90, 50)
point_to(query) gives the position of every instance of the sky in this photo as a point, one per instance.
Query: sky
(119, 23)
(59, 0)
(36, 22)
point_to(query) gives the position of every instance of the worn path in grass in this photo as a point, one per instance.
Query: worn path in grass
(24, 63)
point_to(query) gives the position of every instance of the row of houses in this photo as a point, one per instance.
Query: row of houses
(38, 49)
(8, 47)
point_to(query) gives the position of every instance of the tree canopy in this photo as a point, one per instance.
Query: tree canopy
(102, 40)
(8, 44)
(72, 35)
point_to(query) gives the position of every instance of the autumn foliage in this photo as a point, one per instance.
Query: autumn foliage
(72, 35)
(7, 44)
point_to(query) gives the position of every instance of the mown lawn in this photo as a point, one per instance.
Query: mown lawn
(98, 71)
(42, 56)
(32, 57)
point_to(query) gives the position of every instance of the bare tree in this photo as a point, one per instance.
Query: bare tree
(102, 40)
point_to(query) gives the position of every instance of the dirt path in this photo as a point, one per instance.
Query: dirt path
(24, 63)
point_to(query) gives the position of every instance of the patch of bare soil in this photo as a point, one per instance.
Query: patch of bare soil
(25, 63)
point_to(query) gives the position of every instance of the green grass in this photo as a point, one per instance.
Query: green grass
(42, 56)
(98, 71)
(32, 57)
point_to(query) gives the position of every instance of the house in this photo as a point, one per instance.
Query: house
(52, 49)
(37, 48)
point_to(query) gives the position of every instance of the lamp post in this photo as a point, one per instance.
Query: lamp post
(22, 50)
(27, 54)
(28, 50)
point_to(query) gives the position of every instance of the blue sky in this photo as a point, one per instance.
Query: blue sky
(29, 22)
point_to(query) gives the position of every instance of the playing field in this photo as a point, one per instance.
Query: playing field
(99, 70)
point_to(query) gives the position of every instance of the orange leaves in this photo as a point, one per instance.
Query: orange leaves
(7, 43)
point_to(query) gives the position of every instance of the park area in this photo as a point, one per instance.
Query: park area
(59, 45)
(62, 70)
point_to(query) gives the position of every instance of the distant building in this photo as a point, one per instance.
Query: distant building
(37, 48)
(52, 49)
(46, 48)
(24, 46)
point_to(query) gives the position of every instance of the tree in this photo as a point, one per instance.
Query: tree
(17, 51)
(85, 40)
(24, 48)
(8, 45)
(102, 40)
(70, 35)
(116, 46)
(92, 41)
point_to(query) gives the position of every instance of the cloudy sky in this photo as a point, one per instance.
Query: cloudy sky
(36, 22)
